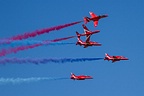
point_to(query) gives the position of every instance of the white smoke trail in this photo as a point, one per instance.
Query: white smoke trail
(27, 80)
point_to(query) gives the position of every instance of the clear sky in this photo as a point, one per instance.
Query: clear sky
(120, 34)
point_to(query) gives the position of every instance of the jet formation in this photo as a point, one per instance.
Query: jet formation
(88, 33)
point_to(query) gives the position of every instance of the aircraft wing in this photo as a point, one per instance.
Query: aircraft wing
(85, 28)
(85, 46)
(95, 23)
(92, 14)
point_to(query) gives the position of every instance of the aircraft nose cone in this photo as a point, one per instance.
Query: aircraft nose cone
(106, 15)
(96, 31)
(99, 44)
(91, 77)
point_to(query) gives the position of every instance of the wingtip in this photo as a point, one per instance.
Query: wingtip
(90, 12)
(106, 15)
(71, 73)
(83, 25)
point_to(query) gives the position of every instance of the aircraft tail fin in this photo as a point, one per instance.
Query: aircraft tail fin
(78, 35)
(72, 75)
(86, 19)
(107, 56)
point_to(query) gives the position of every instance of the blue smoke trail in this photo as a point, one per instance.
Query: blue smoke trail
(28, 80)
(29, 42)
(4, 52)
(45, 60)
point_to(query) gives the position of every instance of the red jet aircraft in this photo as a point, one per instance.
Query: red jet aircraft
(87, 32)
(87, 42)
(94, 18)
(114, 58)
(80, 77)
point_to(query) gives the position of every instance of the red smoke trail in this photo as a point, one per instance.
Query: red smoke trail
(42, 31)
(14, 50)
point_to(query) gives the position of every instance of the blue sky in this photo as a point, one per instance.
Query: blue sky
(121, 34)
